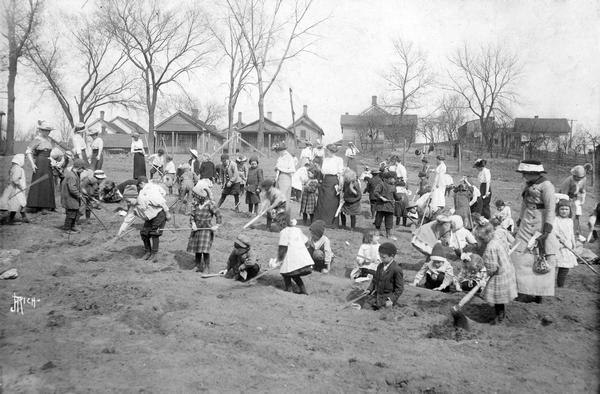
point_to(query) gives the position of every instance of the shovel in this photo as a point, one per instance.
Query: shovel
(459, 318)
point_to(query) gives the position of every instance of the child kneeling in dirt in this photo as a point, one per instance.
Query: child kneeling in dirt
(367, 258)
(241, 264)
(437, 271)
(388, 282)
(472, 273)
(319, 247)
(201, 238)
(293, 256)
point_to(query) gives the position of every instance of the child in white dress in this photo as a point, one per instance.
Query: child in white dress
(293, 256)
(566, 236)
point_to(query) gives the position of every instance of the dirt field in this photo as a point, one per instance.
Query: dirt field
(109, 322)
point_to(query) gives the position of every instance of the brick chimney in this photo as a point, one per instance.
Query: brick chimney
(102, 115)
(305, 110)
(373, 100)
(239, 118)
(269, 115)
(195, 113)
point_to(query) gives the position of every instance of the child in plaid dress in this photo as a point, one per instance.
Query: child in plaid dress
(201, 238)
(308, 200)
(501, 287)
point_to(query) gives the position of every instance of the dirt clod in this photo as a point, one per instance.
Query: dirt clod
(48, 365)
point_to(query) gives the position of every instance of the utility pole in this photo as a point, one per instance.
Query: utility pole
(571, 135)
(293, 116)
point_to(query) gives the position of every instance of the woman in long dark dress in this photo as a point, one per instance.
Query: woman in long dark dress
(328, 200)
(41, 194)
(139, 156)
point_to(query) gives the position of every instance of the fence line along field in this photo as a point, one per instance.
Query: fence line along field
(104, 320)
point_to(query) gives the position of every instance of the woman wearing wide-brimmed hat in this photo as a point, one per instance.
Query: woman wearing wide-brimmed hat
(574, 186)
(351, 153)
(97, 150)
(41, 194)
(284, 168)
(537, 215)
(139, 155)
(328, 200)
(485, 179)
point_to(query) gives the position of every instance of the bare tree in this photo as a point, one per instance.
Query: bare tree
(429, 128)
(96, 67)
(162, 44)
(409, 75)
(485, 80)
(20, 24)
(451, 115)
(272, 38)
(372, 125)
(231, 43)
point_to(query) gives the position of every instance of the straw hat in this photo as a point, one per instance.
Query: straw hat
(194, 153)
(93, 131)
(99, 174)
(578, 171)
(79, 127)
(531, 167)
(45, 126)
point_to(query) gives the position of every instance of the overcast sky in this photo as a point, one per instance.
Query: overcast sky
(557, 42)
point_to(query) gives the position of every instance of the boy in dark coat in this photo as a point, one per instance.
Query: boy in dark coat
(207, 169)
(241, 264)
(388, 282)
(371, 184)
(384, 203)
(70, 194)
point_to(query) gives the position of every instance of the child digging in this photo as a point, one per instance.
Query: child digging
(367, 258)
(14, 198)
(203, 210)
(437, 271)
(566, 234)
(388, 282)
(70, 194)
(170, 174)
(319, 247)
(501, 287)
(293, 256)
(242, 264)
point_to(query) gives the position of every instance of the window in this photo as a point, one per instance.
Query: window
(303, 133)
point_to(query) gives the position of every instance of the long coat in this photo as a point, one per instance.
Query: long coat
(386, 284)
(70, 193)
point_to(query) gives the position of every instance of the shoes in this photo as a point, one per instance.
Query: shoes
(146, 255)
(75, 230)
(150, 256)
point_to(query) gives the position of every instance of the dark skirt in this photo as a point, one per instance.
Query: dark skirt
(328, 201)
(139, 165)
(41, 195)
(485, 202)
(234, 190)
(400, 205)
(95, 163)
(252, 198)
(299, 272)
(351, 208)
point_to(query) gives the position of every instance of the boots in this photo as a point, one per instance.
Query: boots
(206, 258)
(147, 248)
(152, 257)
(199, 263)
(11, 218)
(287, 283)
(302, 290)
(24, 218)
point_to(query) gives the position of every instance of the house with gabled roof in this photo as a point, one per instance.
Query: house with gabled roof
(306, 129)
(181, 131)
(273, 133)
(116, 133)
(527, 128)
(377, 125)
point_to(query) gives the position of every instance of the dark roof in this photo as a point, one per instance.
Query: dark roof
(386, 119)
(554, 126)
(190, 124)
(270, 128)
(107, 124)
(309, 122)
(131, 124)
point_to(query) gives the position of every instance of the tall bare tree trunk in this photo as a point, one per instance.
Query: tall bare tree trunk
(260, 137)
(10, 86)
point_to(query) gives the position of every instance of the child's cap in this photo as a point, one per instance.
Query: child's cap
(563, 203)
(437, 254)
(475, 262)
(19, 159)
(388, 248)
(499, 203)
(243, 240)
(253, 158)
(161, 151)
(267, 183)
(318, 228)
(99, 174)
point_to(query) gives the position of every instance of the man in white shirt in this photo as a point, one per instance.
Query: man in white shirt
(79, 145)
